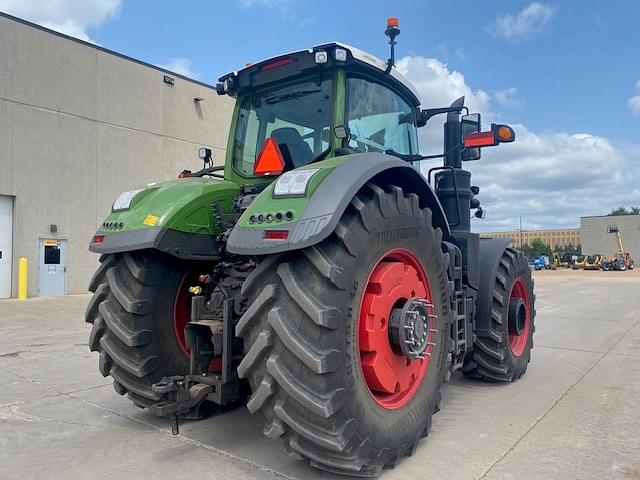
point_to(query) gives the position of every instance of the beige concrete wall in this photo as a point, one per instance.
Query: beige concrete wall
(79, 125)
(597, 240)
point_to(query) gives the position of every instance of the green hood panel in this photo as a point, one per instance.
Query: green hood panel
(183, 205)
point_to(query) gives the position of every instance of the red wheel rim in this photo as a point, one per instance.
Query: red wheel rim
(391, 378)
(518, 341)
(181, 310)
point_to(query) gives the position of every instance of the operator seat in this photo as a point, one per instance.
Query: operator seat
(295, 150)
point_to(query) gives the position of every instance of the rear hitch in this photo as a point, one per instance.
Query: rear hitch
(185, 395)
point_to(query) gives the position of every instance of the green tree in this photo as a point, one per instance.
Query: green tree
(618, 211)
(624, 211)
(538, 247)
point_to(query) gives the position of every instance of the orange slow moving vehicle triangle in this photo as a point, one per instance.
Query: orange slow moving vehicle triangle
(270, 160)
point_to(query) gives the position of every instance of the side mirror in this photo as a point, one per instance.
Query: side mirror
(470, 124)
(204, 154)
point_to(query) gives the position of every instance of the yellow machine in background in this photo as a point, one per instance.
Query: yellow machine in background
(593, 262)
(562, 260)
(579, 262)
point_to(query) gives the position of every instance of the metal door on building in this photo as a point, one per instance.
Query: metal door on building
(6, 239)
(52, 271)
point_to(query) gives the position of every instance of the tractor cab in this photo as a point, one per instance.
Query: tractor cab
(314, 104)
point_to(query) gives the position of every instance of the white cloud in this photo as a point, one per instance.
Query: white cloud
(531, 19)
(72, 17)
(508, 97)
(634, 102)
(180, 65)
(551, 179)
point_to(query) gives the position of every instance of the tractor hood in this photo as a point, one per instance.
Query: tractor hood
(173, 216)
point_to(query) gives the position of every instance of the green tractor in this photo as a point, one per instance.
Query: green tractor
(317, 275)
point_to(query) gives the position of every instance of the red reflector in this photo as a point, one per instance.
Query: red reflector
(98, 239)
(276, 64)
(276, 234)
(480, 139)
(270, 160)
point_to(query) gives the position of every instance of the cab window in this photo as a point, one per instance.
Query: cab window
(297, 116)
(379, 119)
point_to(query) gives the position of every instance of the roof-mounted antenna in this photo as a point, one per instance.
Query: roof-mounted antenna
(392, 32)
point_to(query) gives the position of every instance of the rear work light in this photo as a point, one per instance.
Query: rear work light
(276, 234)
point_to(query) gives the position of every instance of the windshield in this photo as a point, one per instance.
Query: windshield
(297, 116)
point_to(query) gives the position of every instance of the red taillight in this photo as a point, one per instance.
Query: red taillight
(480, 139)
(276, 64)
(98, 239)
(270, 160)
(276, 234)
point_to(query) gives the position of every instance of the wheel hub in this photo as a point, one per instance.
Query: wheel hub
(409, 328)
(517, 316)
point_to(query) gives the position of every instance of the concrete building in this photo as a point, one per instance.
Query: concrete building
(598, 234)
(553, 238)
(78, 125)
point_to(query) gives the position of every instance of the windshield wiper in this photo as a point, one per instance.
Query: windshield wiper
(289, 96)
(410, 157)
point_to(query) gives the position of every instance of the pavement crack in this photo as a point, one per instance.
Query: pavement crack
(557, 401)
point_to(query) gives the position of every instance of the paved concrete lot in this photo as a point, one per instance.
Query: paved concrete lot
(574, 415)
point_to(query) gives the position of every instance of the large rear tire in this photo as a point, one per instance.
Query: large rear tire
(502, 352)
(132, 313)
(310, 327)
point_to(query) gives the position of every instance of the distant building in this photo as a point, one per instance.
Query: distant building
(596, 237)
(553, 238)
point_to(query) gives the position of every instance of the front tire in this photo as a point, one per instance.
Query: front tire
(132, 313)
(502, 352)
(308, 356)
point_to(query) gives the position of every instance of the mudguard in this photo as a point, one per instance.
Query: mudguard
(491, 250)
(314, 217)
(174, 217)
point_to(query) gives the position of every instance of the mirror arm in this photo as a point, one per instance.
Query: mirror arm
(427, 113)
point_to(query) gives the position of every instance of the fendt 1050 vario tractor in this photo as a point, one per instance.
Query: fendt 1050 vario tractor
(317, 272)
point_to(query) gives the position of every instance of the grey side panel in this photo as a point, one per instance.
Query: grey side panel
(323, 212)
(179, 244)
(491, 250)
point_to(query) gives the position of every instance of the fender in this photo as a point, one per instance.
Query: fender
(491, 250)
(318, 215)
(174, 217)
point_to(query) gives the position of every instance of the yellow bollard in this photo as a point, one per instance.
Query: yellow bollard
(22, 278)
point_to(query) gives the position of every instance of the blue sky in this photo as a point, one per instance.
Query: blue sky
(567, 74)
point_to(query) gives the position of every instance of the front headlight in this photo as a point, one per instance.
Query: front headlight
(123, 202)
(293, 182)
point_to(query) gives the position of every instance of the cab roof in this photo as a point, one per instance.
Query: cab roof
(303, 62)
